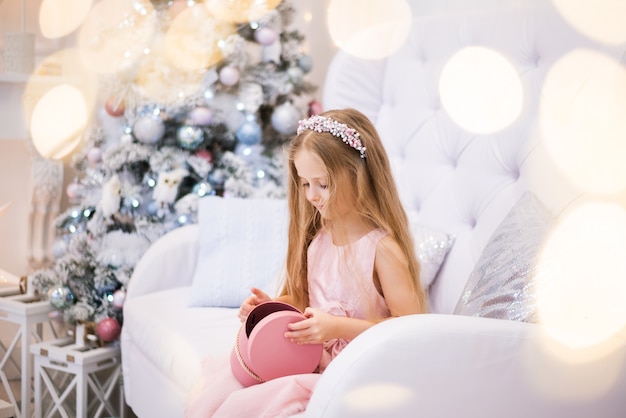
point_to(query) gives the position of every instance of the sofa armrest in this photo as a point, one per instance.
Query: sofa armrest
(451, 366)
(169, 262)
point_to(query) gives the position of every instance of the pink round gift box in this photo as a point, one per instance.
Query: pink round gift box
(264, 350)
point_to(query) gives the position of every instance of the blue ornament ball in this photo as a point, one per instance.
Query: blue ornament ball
(190, 137)
(152, 208)
(305, 63)
(249, 133)
(296, 75)
(61, 297)
(217, 177)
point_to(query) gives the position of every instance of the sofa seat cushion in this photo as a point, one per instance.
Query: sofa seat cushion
(177, 338)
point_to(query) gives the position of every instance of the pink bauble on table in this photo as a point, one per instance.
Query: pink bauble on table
(108, 329)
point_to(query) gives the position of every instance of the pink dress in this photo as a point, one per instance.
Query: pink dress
(340, 283)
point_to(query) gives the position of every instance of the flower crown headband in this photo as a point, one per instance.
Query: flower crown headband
(348, 135)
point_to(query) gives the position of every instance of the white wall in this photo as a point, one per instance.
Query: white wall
(15, 158)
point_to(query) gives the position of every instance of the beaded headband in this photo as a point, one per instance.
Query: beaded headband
(348, 135)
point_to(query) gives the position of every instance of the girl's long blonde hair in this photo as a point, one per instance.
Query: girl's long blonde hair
(377, 199)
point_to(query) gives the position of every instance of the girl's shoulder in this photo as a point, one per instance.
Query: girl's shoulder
(388, 246)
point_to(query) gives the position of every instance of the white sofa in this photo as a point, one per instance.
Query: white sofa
(434, 365)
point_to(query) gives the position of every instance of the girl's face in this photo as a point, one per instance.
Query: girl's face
(314, 183)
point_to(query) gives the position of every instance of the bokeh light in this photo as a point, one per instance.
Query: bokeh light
(58, 121)
(62, 67)
(370, 29)
(191, 41)
(602, 20)
(58, 18)
(580, 286)
(116, 34)
(240, 11)
(582, 117)
(157, 80)
(480, 90)
(379, 398)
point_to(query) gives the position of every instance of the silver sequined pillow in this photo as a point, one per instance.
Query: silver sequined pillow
(502, 283)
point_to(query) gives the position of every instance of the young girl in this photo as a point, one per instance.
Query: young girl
(350, 258)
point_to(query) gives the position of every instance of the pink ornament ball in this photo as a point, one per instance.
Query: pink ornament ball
(119, 296)
(114, 108)
(206, 155)
(108, 329)
(94, 155)
(73, 190)
(201, 116)
(229, 76)
(265, 36)
(315, 108)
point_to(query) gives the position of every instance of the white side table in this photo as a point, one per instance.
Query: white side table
(78, 380)
(29, 313)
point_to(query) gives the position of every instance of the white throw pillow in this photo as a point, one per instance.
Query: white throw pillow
(243, 243)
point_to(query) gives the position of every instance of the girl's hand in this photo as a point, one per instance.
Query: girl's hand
(257, 297)
(316, 329)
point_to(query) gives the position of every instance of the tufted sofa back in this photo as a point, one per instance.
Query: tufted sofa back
(457, 181)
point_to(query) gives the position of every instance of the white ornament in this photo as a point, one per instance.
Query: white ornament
(111, 196)
(59, 248)
(265, 36)
(229, 76)
(94, 155)
(201, 116)
(119, 296)
(73, 190)
(149, 129)
(166, 188)
(285, 118)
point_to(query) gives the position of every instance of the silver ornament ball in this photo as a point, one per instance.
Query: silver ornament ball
(190, 137)
(285, 118)
(61, 297)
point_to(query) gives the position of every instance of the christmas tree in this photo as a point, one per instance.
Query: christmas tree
(199, 100)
